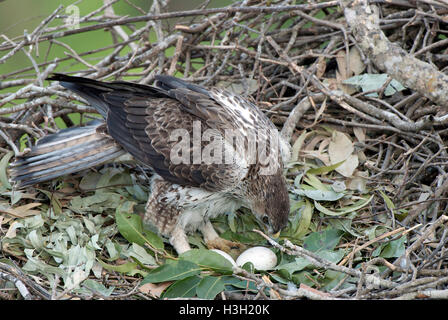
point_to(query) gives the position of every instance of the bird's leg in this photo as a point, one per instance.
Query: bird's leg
(179, 240)
(164, 216)
(214, 241)
(209, 232)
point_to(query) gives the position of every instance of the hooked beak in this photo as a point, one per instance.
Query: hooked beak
(276, 235)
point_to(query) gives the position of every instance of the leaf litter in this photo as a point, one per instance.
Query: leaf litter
(76, 238)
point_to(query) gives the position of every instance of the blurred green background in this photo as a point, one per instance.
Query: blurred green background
(19, 15)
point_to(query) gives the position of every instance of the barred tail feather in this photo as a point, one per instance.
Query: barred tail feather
(67, 151)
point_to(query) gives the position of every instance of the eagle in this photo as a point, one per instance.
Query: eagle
(211, 152)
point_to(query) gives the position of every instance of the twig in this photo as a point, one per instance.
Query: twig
(325, 264)
(392, 59)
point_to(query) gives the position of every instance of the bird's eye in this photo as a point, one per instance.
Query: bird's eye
(265, 220)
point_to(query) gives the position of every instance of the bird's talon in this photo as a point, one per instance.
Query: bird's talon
(234, 249)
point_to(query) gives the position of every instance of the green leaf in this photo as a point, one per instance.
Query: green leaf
(296, 205)
(139, 253)
(137, 192)
(55, 202)
(313, 181)
(394, 249)
(131, 227)
(387, 200)
(306, 278)
(298, 180)
(371, 82)
(177, 270)
(97, 287)
(345, 224)
(356, 206)
(330, 255)
(89, 181)
(297, 265)
(185, 288)
(295, 215)
(231, 221)
(325, 169)
(249, 267)
(319, 195)
(334, 278)
(301, 263)
(113, 177)
(239, 284)
(208, 259)
(304, 220)
(122, 268)
(3, 174)
(322, 240)
(209, 287)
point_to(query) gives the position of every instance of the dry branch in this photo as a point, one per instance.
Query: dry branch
(391, 58)
(290, 60)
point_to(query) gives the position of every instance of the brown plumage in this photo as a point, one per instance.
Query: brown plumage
(198, 141)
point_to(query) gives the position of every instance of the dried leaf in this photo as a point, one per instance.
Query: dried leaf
(360, 133)
(341, 149)
(297, 146)
(356, 65)
(11, 233)
(238, 87)
(321, 67)
(23, 211)
(341, 60)
(154, 289)
(358, 183)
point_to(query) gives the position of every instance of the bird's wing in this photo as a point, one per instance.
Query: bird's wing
(217, 107)
(222, 110)
(144, 120)
(161, 134)
(149, 121)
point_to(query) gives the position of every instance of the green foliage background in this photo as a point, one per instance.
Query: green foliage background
(19, 15)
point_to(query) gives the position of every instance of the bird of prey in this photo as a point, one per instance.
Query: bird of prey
(211, 151)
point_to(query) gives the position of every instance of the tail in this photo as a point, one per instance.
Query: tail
(67, 151)
(95, 91)
(75, 149)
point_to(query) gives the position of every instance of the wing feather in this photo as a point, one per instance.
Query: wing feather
(143, 118)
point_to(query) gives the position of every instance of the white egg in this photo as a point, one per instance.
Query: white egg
(262, 258)
(225, 255)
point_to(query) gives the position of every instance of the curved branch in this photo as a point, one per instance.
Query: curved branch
(391, 58)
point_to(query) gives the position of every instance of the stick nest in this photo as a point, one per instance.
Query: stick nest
(344, 81)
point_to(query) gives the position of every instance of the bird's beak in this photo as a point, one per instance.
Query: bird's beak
(276, 235)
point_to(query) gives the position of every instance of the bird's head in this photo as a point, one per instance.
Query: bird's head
(269, 201)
